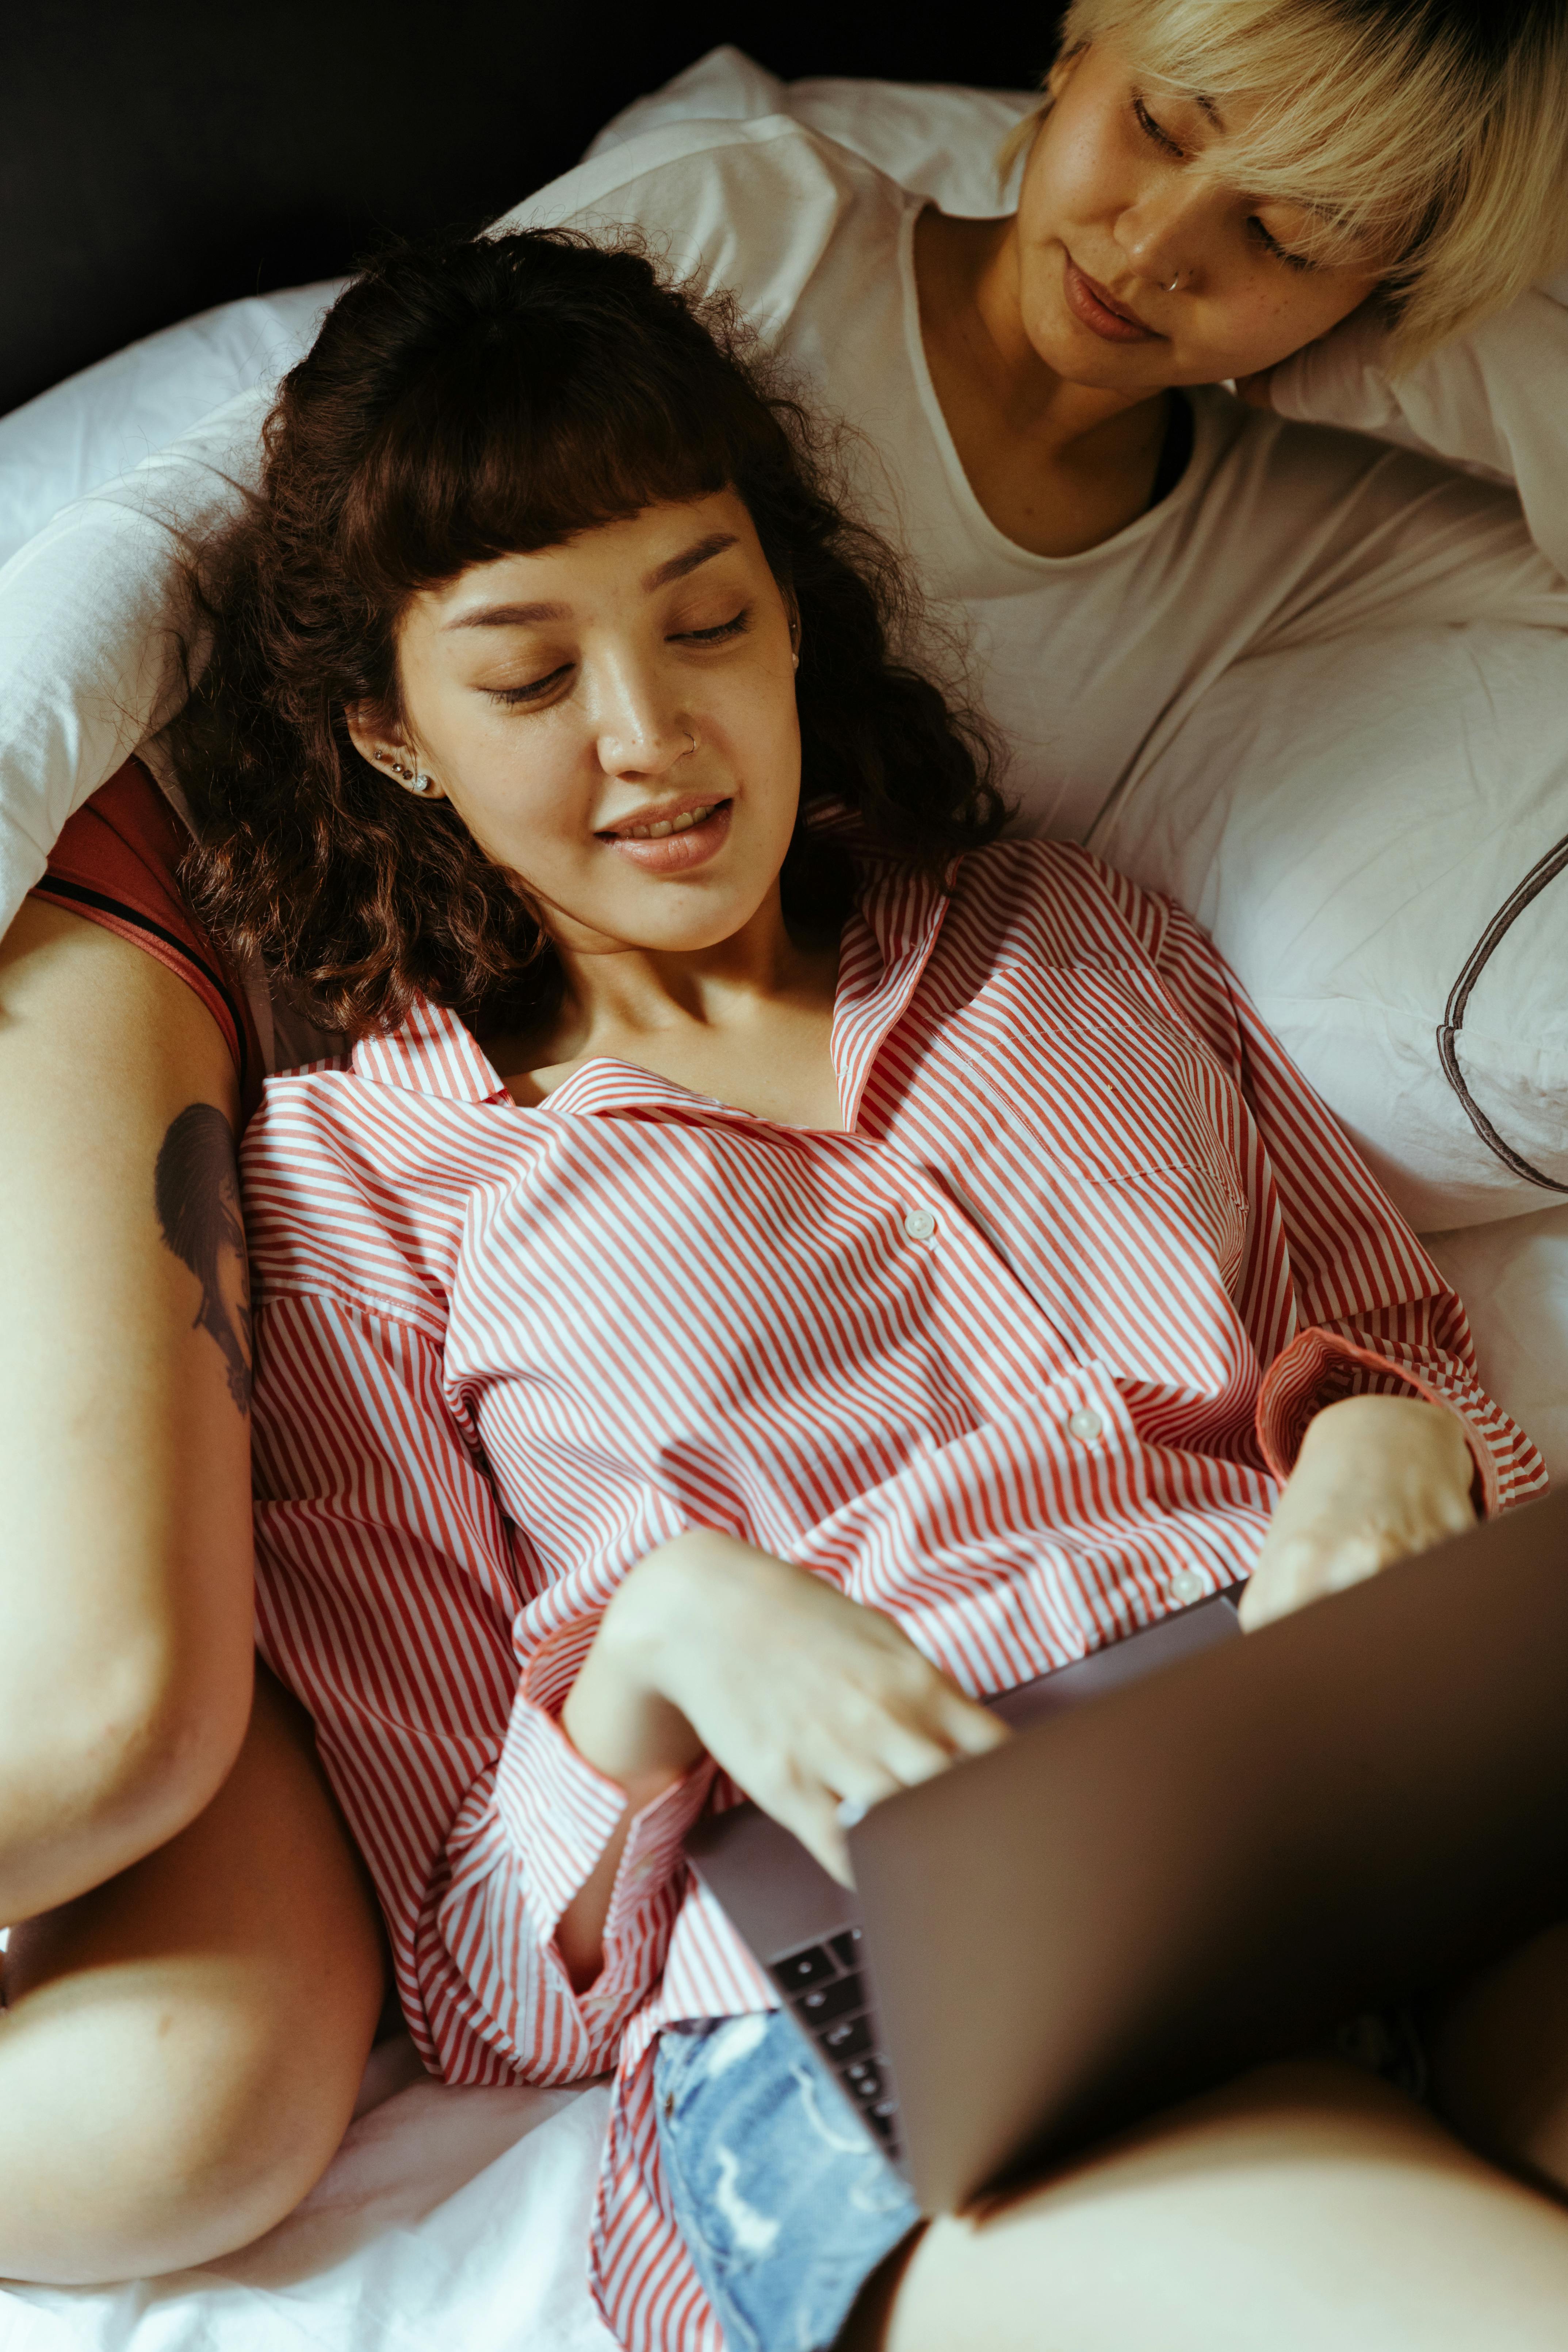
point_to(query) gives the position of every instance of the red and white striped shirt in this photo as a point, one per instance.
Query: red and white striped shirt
(1017, 1356)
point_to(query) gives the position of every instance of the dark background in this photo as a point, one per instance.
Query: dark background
(163, 155)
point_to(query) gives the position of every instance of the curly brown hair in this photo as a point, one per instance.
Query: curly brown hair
(469, 399)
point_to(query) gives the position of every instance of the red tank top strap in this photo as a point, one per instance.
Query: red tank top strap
(117, 864)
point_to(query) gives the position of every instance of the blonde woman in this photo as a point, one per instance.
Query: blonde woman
(1037, 422)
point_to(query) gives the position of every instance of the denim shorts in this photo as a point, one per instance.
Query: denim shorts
(785, 2204)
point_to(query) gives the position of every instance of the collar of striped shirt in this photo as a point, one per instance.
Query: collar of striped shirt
(434, 1053)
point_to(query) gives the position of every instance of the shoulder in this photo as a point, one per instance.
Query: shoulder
(360, 1191)
(1056, 902)
(1047, 907)
(749, 207)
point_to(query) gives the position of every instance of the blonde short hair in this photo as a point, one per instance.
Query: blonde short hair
(1437, 131)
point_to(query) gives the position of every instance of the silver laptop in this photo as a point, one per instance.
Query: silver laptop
(1199, 1851)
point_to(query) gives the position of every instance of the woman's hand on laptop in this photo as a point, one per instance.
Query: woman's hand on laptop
(1377, 1478)
(810, 1701)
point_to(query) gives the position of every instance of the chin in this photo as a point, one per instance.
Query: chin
(1077, 356)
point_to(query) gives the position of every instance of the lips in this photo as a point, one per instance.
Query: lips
(1094, 308)
(680, 818)
(674, 839)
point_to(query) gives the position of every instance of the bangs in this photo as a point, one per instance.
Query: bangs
(1426, 140)
(473, 398)
(507, 442)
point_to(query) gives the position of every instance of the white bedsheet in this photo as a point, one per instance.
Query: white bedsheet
(450, 2221)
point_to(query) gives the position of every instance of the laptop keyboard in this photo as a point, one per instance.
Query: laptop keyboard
(825, 1988)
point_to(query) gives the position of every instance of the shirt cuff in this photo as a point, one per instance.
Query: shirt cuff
(561, 1812)
(1320, 1368)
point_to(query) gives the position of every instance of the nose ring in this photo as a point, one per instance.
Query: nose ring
(691, 740)
(1174, 283)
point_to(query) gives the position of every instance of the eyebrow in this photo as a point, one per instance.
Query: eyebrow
(679, 566)
(508, 616)
(525, 617)
(1209, 109)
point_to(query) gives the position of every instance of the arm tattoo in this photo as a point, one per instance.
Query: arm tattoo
(195, 1185)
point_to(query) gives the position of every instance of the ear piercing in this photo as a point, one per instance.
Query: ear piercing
(411, 779)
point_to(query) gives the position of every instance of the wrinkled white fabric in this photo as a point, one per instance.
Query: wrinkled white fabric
(1494, 400)
(93, 620)
(106, 420)
(449, 2222)
(933, 138)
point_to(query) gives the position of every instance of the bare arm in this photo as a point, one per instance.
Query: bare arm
(125, 1558)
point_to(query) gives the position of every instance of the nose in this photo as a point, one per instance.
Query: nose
(640, 730)
(1164, 233)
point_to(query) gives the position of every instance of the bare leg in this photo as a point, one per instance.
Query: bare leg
(183, 2046)
(1302, 2208)
(1501, 2060)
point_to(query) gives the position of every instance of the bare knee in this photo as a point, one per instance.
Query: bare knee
(1298, 2207)
(183, 2045)
(1501, 2060)
(162, 2127)
(115, 1754)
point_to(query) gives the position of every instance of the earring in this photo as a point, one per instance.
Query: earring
(795, 661)
(411, 780)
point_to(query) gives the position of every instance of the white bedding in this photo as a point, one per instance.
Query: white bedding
(450, 2221)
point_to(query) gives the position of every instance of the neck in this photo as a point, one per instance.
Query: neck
(613, 990)
(747, 1022)
(969, 281)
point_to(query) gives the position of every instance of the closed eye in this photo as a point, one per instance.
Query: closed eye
(715, 636)
(1280, 252)
(1154, 130)
(536, 689)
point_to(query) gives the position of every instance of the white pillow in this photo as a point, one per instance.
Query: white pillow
(1514, 1279)
(933, 137)
(1349, 821)
(102, 422)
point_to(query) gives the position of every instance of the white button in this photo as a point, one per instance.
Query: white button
(1187, 1586)
(920, 1224)
(1086, 1424)
(641, 1870)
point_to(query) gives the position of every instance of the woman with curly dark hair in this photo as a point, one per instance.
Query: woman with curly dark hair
(776, 1265)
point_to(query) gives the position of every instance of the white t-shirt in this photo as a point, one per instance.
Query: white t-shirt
(1087, 663)
(1278, 533)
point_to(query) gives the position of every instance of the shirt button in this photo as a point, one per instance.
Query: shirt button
(920, 1224)
(1187, 1586)
(1086, 1424)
